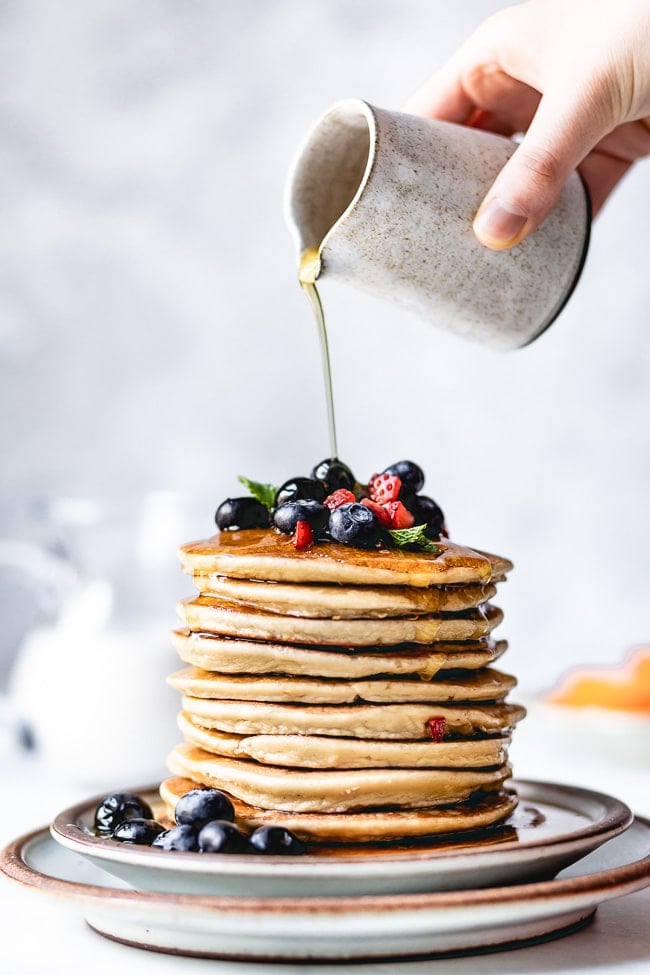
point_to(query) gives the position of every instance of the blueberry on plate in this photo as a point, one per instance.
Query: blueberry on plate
(199, 806)
(286, 517)
(426, 512)
(114, 809)
(411, 476)
(182, 838)
(220, 836)
(301, 489)
(334, 474)
(355, 524)
(139, 831)
(241, 513)
(276, 840)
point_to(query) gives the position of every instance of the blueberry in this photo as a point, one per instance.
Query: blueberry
(218, 836)
(313, 512)
(300, 489)
(140, 831)
(234, 513)
(411, 476)
(334, 474)
(276, 839)
(199, 806)
(183, 838)
(114, 809)
(355, 524)
(426, 512)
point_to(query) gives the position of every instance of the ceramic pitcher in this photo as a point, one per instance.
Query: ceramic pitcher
(387, 201)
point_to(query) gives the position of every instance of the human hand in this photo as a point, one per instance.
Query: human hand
(574, 75)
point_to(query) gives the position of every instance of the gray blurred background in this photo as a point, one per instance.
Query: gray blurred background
(153, 337)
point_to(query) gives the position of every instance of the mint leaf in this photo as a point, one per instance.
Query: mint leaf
(263, 492)
(413, 536)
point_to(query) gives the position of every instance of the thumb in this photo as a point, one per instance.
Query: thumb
(529, 185)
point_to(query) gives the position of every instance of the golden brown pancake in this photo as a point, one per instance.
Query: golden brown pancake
(343, 602)
(377, 826)
(207, 614)
(267, 555)
(400, 721)
(229, 655)
(481, 685)
(319, 752)
(333, 790)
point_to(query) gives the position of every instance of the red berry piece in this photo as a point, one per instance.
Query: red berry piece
(304, 536)
(383, 516)
(384, 487)
(337, 498)
(436, 728)
(398, 515)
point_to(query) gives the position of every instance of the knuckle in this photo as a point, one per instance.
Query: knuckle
(541, 163)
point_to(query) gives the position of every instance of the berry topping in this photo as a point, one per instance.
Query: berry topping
(276, 840)
(381, 511)
(395, 514)
(182, 838)
(199, 806)
(398, 515)
(355, 524)
(436, 727)
(411, 476)
(241, 513)
(384, 487)
(334, 474)
(304, 536)
(114, 809)
(140, 831)
(219, 836)
(339, 497)
(287, 516)
(426, 512)
(301, 489)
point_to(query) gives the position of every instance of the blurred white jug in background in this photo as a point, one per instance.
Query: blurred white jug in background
(89, 686)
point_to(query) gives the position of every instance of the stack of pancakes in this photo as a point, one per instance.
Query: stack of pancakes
(347, 695)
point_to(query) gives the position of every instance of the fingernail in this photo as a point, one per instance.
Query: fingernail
(498, 224)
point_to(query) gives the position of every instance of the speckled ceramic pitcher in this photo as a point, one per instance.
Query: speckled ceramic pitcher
(387, 201)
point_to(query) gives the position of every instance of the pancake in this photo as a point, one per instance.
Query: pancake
(481, 685)
(332, 791)
(343, 602)
(400, 721)
(228, 655)
(318, 752)
(378, 826)
(211, 615)
(269, 556)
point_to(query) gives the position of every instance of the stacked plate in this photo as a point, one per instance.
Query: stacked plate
(344, 694)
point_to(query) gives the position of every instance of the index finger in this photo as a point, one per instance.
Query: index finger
(444, 97)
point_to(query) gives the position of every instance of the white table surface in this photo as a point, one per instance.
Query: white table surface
(43, 934)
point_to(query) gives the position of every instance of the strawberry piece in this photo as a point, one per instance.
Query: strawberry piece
(382, 515)
(339, 497)
(304, 536)
(384, 487)
(436, 728)
(398, 515)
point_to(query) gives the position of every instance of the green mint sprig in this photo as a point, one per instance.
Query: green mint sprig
(263, 492)
(413, 536)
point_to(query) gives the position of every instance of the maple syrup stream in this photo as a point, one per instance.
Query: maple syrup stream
(308, 271)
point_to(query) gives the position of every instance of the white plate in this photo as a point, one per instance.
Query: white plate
(573, 822)
(329, 929)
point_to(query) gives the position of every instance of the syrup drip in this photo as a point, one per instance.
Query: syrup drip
(308, 271)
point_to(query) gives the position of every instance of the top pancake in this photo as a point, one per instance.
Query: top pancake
(269, 556)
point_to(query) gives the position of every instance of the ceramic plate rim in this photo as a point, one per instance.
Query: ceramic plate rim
(615, 819)
(613, 882)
